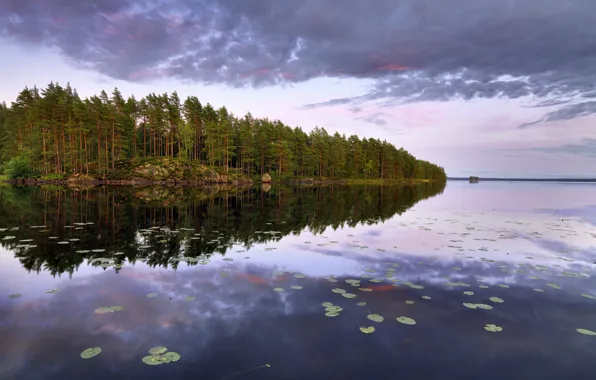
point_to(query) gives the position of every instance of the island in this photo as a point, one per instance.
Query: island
(473, 179)
(52, 135)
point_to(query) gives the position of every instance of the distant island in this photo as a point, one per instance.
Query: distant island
(473, 179)
(523, 179)
(52, 135)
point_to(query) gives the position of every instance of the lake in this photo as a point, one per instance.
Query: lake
(489, 280)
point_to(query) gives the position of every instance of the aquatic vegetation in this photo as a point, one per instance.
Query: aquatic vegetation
(586, 332)
(279, 290)
(367, 329)
(16, 295)
(108, 309)
(493, 328)
(496, 299)
(152, 295)
(159, 355)
(375, 317)
(406, 320)
(90, 352)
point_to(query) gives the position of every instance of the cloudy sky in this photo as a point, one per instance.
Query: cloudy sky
(485, 87)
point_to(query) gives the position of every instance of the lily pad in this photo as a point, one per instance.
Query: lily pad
(361, 304)
(108, 309)
(365, 289)
(190, 298)
(556, 286)
(503, 286)
(406, 320)
(327, 304)
(496, 299)
(426, 297)
(367, 329)
(296, 287)
(586, 332)
(50, 291)
(158, 350)
(483, 286)
(14, 296)
(279, 290)
(469, 293)
(470, 305)
(153, 360)
(375, 317)
(409, 302)
(483, 306)
(349, 295)
(152, 295)
(90, 352)
(493, 328)
(588, 296)
(331, 314)
(338, 290)
(539, 290)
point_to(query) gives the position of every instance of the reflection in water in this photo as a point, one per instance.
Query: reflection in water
(156, 224)
(222, 315)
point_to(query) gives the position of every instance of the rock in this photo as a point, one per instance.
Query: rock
(266, 178)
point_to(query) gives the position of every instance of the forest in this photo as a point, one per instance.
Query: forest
(54, 133)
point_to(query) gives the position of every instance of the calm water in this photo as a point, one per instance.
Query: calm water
(530, 244)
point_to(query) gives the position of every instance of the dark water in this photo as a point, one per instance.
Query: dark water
(492, 239)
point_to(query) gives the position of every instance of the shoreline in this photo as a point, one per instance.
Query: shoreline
(192, 183)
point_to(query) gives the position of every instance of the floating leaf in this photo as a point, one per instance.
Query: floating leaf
(406, 320)
(367, 329)
(426, 297)
(496, 299)
(503, 286)
(299, 276)
(331, 314)
(279, 290)
(365, 289)
(297, 287)
(157, 350)
(556, 286)
(190, 298)
(172, 356)
(539, 290)
(14, 296)
(470, 305)
(483, 306)
(375, 317)
(469, 293)
(493, 328)
(52, 291)
(483, 286)
(586, 332)
(327, 304)
(108, 309)
(338, 290)
(361, 304)
(90, 352)
(588, 296)
(153, 360)
(152, 295)
(409, 302)
(349, 295)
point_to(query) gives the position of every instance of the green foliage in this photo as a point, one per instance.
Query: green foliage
(64, 134)
(18, 167)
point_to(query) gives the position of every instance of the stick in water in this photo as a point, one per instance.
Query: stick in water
(246, 370)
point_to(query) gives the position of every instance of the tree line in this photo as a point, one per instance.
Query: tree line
(53, 131)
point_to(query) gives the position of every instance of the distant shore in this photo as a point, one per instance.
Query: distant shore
(525, 179)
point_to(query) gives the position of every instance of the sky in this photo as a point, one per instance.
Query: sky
(494, 88)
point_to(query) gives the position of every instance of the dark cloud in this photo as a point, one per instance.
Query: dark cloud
(414, 50)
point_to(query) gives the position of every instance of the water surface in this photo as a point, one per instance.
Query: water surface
(214, 259)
